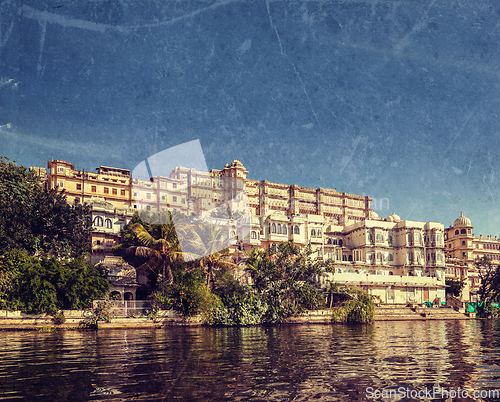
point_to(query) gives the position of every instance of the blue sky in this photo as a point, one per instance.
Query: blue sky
(398, 100)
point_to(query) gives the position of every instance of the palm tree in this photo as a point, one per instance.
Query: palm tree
(207, 244)
(160, 245)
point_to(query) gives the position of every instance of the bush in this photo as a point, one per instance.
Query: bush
(360, 308)
(238, 310)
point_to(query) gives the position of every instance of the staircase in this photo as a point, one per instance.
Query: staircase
(394, 312)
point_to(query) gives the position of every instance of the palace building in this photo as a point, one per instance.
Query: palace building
(401, 261)
(462, 249)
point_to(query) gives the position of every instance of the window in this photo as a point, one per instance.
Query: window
(284, 229)
(60, 169)
(253, 235)
(463, 242)
(391, 258)
(78, 186)
(313, 233)
(148, 196)
(94, 189)
(174, 185)
(122, 192)
(457, 232)
(163, 198)
(273, 228)
(115, 192)
(148, 208)
(319, 232)
(184, 201)
(279, 228)
(135, 194)
(60, 184)
(108, 224)
(106, 190)
(296, 230)
(410, 255)
(98, 221)
(463, 231)
(390, 238)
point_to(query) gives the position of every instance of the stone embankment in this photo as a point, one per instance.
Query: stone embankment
(15, 320)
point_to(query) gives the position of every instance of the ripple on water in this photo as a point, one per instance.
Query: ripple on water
(272, 363)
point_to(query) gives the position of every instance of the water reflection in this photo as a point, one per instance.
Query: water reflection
(300, 363)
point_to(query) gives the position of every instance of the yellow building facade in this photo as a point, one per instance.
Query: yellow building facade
(401, 261)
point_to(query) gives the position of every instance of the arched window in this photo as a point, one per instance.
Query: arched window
(319, 232)
(391, 273)
(98, 221)
(463, 231)
(410, 237)
(273, 228)
(329, 241)
(356, 272)
(313, 232)
(284, 229)
(340, 242)
(457, 231)
(296, 230)
(279, 229)
(254, 234)
(463, 242)
(108, 224)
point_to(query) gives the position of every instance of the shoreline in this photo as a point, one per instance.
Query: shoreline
(17, 321)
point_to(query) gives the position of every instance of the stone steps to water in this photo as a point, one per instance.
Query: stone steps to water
(394, 312)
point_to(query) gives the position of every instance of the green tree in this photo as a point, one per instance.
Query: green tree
(455, 287)
(45, 284)
(282, 279)
(489, 289)
(39, 220)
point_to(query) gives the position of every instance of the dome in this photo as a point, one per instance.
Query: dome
(393, 218)
(372, 215)
(462, 221)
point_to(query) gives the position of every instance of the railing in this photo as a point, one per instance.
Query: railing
(126, 308)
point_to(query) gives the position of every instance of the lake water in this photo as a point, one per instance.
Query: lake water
(284, 363)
